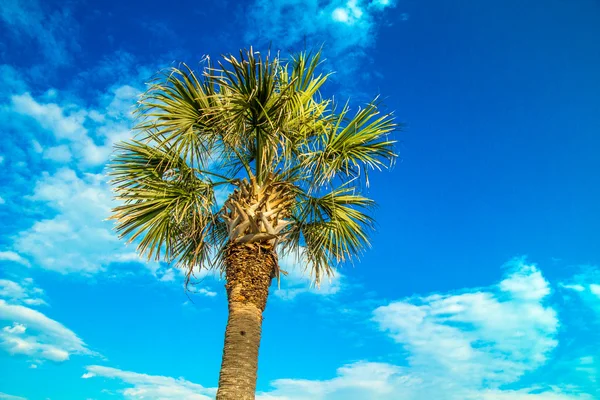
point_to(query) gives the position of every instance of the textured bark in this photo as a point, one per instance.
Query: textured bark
(249, 271)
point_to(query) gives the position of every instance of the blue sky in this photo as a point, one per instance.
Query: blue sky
(484, 277)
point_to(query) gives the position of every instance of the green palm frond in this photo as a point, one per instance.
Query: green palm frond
(176, 111)
(165, 202)
(352, 144)
(331, 229)
(255, 117)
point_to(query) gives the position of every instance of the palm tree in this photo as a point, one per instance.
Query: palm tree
(295, 163)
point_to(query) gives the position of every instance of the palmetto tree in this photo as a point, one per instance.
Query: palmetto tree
(295, 163)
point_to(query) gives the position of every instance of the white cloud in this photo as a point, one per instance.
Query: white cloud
(25, 293)
(14, 257)
(587, 286)
(152, 387)
(347, 28)
(35, 335)
(16, 328)
(361, 380)
(51, 116)
(460, 346)
(576, 287)
(381, 4)
(370, 380)
(479, 337)
(2, 201)
(349, 14)
(340, 15)
(168, 276)
(77, 239)
(84, 133)
(526, 283)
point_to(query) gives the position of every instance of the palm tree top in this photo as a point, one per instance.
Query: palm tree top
(253, 123)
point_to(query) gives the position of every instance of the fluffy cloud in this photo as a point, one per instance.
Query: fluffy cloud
(460, 346)
(77, 239)
(85, 134)
(479, 337)
(151, 387)
(33, 334)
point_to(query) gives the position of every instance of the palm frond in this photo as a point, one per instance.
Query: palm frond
(165, 203)
(350, 145)
(330, 229)
(176, 111)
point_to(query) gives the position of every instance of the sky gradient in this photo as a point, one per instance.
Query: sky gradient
(483, 281)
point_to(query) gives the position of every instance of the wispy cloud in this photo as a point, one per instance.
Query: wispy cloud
(33, 334)
(13, 257)
(152, 387)
(75, 236)
(54, 32)
(347, 28)
(361, 380)
(5, 396)
(24, 293)
(586, 285)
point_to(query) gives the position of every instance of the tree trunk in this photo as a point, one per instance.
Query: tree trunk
(249, 271)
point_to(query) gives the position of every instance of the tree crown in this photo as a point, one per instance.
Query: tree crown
(252, 119)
